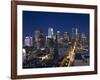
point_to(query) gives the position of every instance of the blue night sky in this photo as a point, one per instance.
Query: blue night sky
(63, 22)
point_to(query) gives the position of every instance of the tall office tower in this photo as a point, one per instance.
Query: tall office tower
(76, 34)
(42, 40)
(66, 37)
(76, 31)
(58, 37)
(37, 35)
(28, 41)
(37, 38)
(50, 32)
(46, 41)
(73, 34)
(31, 41)
(83, 39)
(65, 34)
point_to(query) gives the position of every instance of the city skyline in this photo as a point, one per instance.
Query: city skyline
(55, 49)
(54, 39)
(28, 40)
(63, 22)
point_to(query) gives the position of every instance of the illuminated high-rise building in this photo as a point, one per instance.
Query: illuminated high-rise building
(31, 41)
(66, 37)
(73, 35)
(76, 34)
(50, 32)
(37, 35)
(58, 36)
(83, 36)
(37, 38)
(83, 39)
(65, 34)
(28, 41)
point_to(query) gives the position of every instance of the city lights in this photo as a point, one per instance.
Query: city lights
(56, 49)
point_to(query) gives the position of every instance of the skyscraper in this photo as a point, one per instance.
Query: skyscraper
(75, 34)
(28, 41)
(50, 32)
(37, 35)
(58, 36)
(31, 41)
(83, 39)
(37, 38)
(66, 37)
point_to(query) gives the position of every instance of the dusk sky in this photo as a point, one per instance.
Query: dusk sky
(63, 22)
